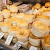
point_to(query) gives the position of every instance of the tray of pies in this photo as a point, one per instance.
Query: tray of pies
(25, 27)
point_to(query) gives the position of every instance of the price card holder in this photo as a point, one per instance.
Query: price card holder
(33, 48)
(17, 45)
(9, 39)
(1, 34)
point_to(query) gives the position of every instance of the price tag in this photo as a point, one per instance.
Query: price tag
(35, 11)
(8, 40)
(17, 45)
(1, 34)
(33, 48)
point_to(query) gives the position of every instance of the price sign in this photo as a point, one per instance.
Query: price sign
(9, 39)
(1, 34)
(17, 45)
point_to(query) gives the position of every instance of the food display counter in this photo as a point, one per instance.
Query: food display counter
(25, 26)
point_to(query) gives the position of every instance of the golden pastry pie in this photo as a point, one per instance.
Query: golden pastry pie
(13, 8)
(33, 40)
(23, 35)
(20, 15)
(13, 14)
(1, 16)
(46, 13)
(6, 13)
(44, 19)
(13, 20)
(29, 18)
(47, 4)
(13, 30)
(37, 6)
(5, 26)
(46, 42)
(39, 29)
(22, 23)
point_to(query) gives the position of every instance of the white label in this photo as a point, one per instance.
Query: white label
(33, 48)
(1, 34)
(35, 11)
(8, 40)
(17, 45)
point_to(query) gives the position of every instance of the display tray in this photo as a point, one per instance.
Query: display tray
(3, 46)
